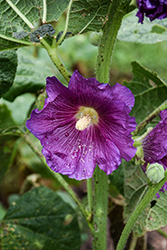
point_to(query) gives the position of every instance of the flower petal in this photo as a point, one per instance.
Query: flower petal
(163, 114)
(155, 143)
(118, 125)
(123, 94)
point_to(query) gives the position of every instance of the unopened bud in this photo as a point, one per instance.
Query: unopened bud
(155, 172)
(95, 38)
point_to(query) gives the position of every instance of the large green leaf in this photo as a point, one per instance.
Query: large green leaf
(149, 91)
(148, 32)
(40, 219)
(31, 73)
(88, 15)
(135, 186)
(11, 22)
(8, 66)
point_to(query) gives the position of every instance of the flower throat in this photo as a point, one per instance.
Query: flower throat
(86, 116)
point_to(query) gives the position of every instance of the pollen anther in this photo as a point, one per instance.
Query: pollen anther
(83, 122)
(86, 116)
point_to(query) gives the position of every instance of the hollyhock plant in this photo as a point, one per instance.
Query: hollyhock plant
(86, 124)
(155, 144)
(154, 9)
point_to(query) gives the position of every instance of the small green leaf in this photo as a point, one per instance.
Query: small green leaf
(148, 32)
(40, 219)
(149, 91)
(8, 62)
(88, 15)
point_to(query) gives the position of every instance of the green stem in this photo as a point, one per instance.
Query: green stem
(44, 11)
(20, 14)
(149, 118)
(66, 25)
(60, 179)
(52, 51)
(100, 209)
(143, 204)
(90, 194)
(133, 242)
(116, 12)
(17, 40)
(161, 232)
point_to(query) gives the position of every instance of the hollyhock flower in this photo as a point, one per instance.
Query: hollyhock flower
(155, 144)
(154, 9)
(86, 124)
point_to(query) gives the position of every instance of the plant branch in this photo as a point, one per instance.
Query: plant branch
(52, 51)
(149, 118)
(161, 232)
(66, 24)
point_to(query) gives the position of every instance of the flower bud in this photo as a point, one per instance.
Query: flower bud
(95, 38)
(155, 172)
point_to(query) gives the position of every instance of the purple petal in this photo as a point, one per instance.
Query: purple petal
(119, 125)
(155, 143)
(163, 114)
(123, 94)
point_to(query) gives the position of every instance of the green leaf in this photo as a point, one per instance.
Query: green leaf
(40, 219)
(20, 107)
(31, 73)
(11, 22)
(6, 119)
(148, 32)
(135, 184)
(88, 15)
(156, 217)
(149, 91)
(6, 151)
(8, 62)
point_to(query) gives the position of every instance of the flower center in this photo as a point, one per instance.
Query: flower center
(86, 116)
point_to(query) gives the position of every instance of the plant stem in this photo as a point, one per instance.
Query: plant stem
(66, 24)
(52, 51)
(149, 118)
(133, 242)
(116, 12)
(90, 194)
(100, 209)
(60, 179)
(20, 14)
(143, 204)
(44, 11)
(161, 232)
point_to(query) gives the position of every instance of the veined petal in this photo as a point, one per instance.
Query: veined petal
(155, 143)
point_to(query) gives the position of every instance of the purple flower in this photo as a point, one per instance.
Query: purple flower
(155, 144)
(86, 124)
(154, 9)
